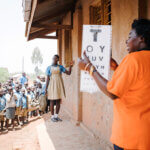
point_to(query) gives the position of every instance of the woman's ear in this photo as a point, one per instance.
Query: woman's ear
(142, 39)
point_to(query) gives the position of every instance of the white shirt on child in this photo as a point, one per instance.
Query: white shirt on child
(10, 101)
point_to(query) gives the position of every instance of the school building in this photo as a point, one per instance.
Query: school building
(94, 112)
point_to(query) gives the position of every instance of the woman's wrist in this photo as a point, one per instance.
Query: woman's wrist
(88, 68)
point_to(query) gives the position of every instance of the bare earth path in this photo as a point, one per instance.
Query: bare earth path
(42, 134)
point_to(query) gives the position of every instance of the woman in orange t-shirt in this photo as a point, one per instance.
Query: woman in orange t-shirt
(130, 90)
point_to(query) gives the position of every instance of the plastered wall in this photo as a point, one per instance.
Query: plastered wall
(95, 111)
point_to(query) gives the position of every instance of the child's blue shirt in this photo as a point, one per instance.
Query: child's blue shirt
(24, 101)
(2, 103)
(18, 96)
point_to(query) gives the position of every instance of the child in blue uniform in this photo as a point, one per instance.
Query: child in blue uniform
(10, 107)
(18, 96)
(55, 90)
(24, 105)
(2, 107)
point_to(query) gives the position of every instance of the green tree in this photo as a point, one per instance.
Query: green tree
(4, 74)
(37, 60)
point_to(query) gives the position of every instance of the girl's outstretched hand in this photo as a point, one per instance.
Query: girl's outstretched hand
(72, 63)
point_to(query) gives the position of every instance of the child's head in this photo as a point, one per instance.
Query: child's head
(10, 90)
(17, 88)
(38, 77)
(16, 82)
(43, 78)
(26, 84)
(20, 86)
(139, 36)
(55, 59)
(9, 82)
(11, 79)
(23, 92)
(35, 83)
(32, 88)
(28, 89)
(1, 92)
(39, 85)
(24, 74)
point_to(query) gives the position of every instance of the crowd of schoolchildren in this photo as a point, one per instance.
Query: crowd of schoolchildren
(20, 101)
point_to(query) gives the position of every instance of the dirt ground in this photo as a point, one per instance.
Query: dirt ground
(42, 134)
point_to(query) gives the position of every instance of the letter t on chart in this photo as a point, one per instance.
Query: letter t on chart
(95, 34)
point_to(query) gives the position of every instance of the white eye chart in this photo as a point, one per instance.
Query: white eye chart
(96, 41)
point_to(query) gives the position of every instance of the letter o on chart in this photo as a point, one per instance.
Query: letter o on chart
(89, 48)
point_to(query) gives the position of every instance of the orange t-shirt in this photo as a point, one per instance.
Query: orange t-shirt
(131, 83)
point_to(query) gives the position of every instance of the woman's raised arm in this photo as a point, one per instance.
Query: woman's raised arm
(101, 82)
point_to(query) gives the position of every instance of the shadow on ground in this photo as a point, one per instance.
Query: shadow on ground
(64, 135)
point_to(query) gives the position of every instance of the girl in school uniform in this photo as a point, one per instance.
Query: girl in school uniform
(55, 90)
(129, 88)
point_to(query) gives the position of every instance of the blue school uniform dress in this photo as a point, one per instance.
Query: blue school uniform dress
(24, 104)
(43, 88)
(2, 103)
(13, 85)
(18, 98)
(56, 90)
(32, 95)
(2, 107)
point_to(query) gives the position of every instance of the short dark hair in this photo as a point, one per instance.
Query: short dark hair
(142, 28)
(57, 56)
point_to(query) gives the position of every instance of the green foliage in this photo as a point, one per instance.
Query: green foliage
(37, 59)
(4, 74)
